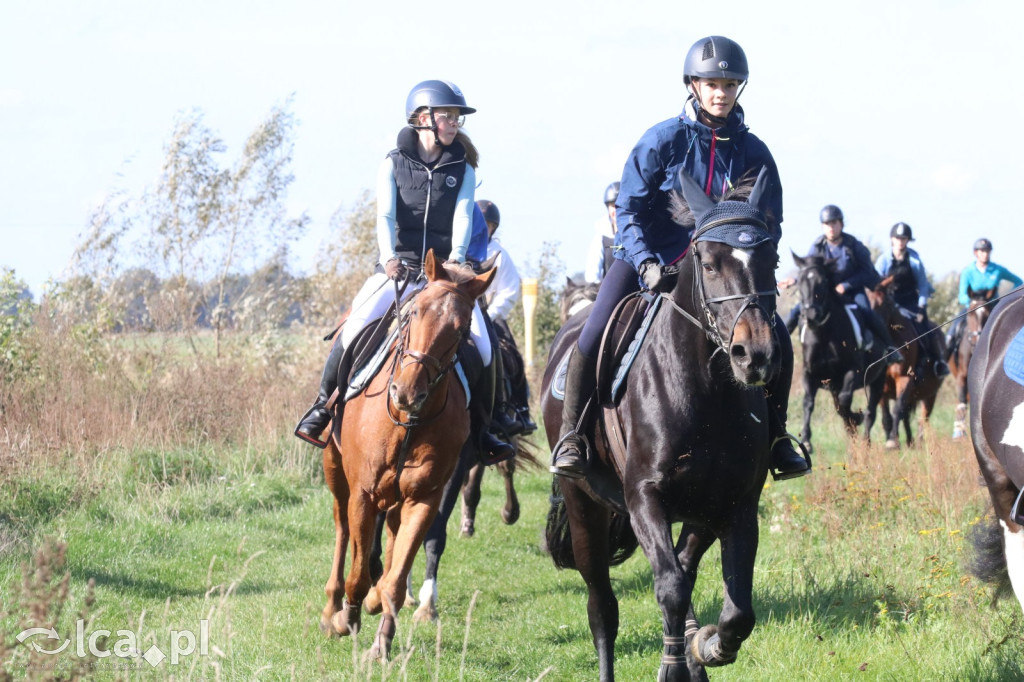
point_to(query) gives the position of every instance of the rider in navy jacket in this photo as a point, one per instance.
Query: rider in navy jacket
(711, 142)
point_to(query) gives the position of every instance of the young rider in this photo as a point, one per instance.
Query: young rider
(981, 275)
(599, 255)
(425, 192)
(711, 141)
(910, 290)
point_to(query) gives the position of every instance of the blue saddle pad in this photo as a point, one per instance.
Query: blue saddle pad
(1013, 361)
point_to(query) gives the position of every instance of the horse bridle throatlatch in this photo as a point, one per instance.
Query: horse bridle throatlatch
(751, 300)
(439, 368)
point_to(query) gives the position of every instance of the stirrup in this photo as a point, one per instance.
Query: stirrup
(784, 476)
(312, 440)
(576, 470)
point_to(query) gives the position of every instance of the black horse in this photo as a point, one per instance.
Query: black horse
(832, 357)
(996, 386)
(692, 435)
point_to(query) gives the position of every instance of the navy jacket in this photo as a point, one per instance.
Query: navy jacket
(715, 158)
(854, 269)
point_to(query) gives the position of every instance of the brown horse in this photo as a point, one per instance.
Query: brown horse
(909, 382)
(399, 443)
(996, 385)
(961, 352)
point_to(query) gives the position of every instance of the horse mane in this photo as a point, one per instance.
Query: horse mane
(681, 214)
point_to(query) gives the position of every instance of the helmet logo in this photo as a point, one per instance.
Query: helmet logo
(723, 65)
(455, 89)
(450, 181)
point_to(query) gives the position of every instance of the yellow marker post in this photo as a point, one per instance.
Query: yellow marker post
(529, 310)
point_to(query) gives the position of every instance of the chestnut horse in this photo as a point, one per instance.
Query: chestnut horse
(909, 382)
(996, 387)
(400, 440)
(960, 355)
(693, 426)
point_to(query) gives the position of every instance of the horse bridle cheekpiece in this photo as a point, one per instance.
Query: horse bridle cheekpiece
(439, 368)
(738, 224)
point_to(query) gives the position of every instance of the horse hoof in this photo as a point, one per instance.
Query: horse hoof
(807, 446)
(346, 621)
(327, 628)
(425, 614)
(706, 648)
(892, 444)
(510, 516)
(467, 529)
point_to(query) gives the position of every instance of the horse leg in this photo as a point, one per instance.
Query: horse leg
(874, 396)
(691, 545)
(435, 541)
(843, 399)
(888, 422)
(413, 519)
(361, 522)
(672, 586)
(810, 389)
(373, 603)
(510, 512)
(334, 589)
(960, 420)
(589, 528)
(471, 499)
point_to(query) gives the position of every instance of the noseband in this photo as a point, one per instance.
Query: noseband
(431, 363)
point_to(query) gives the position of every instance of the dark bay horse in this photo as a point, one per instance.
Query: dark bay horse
(576, 296)
(832, 358)
(399, 444)
(907, 383)
(693, 431)
(960, 354)
(996, 386)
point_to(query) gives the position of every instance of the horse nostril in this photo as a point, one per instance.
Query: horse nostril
(739, 352)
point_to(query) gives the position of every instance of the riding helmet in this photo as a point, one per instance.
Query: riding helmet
(902, 230)
(715, 57)
(830, 213)
(983, 245)
(490, 211)
(433, 94)
(611, 193)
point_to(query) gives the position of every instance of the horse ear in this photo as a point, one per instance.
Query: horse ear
(800, 262)
(759, 195)
(478, 285)
(433, 268)
(698, 202)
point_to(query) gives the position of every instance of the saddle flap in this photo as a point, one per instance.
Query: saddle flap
(623, 337)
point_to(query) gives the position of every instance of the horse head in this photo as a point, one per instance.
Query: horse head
(978, 309)
(815, 289)
(732, 261)
(575, 297)
(434, 322)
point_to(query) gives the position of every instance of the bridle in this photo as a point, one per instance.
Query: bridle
(710, 325)
(805, 307)
(440, 368)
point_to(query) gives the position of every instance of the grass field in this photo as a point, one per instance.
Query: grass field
(861, 574)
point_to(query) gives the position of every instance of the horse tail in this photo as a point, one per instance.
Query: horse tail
(988, 561)
(622, 542)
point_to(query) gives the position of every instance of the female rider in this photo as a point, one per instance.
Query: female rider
(425, 192)
(710, 140)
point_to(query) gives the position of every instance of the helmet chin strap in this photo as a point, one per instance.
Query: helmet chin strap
(715, 121)
(431, 127)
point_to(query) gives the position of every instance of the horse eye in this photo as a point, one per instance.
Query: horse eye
(707, 268)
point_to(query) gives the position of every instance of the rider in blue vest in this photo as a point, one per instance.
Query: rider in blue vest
(853, 271)
(910, 290)
(710, 140)
(425, 200)
(980, 276)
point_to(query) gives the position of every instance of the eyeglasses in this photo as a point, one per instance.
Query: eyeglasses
(454, 120)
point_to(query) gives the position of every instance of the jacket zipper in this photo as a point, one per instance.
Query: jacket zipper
(711, 164)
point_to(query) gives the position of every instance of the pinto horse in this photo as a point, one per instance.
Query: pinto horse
(960, 355)
(399, 443)
(909, 382)
(688, 441)
(996, 386)
(832, 356)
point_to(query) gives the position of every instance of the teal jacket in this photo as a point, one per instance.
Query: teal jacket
(982, 281)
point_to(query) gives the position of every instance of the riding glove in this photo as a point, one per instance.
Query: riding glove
(658, 277)
(394, 269)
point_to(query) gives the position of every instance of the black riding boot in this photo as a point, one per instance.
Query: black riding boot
(783, 461)
(316, 419)
(569, 457)
(521, 399)
(503, 417)
(939, 366)
(490, 448)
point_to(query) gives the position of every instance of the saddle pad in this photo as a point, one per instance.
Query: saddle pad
(851, 311)
(619, 382)
(558, 383)
(1013, 361)
(368, 371)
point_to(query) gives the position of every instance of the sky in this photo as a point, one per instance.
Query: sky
(894, 111)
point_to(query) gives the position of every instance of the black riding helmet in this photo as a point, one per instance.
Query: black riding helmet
(715, 57)
(490, 211)
(902, 230)
(432, 95)
(611, 193)
(830, 213)
(983, 245)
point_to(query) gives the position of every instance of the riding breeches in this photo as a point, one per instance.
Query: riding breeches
(378, 293)
(620, 281)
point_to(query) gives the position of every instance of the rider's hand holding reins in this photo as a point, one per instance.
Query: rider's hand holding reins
(394, 269)
(658, 277)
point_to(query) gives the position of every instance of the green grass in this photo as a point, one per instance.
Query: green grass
(860, 572)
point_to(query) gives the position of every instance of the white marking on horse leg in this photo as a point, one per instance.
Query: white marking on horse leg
(1015, 560)
(428, 592)
(1014, 434)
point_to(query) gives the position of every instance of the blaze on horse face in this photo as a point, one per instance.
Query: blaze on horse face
(731, 243)
(434, 323)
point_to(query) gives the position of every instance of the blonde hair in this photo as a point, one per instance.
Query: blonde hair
(472, 155)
